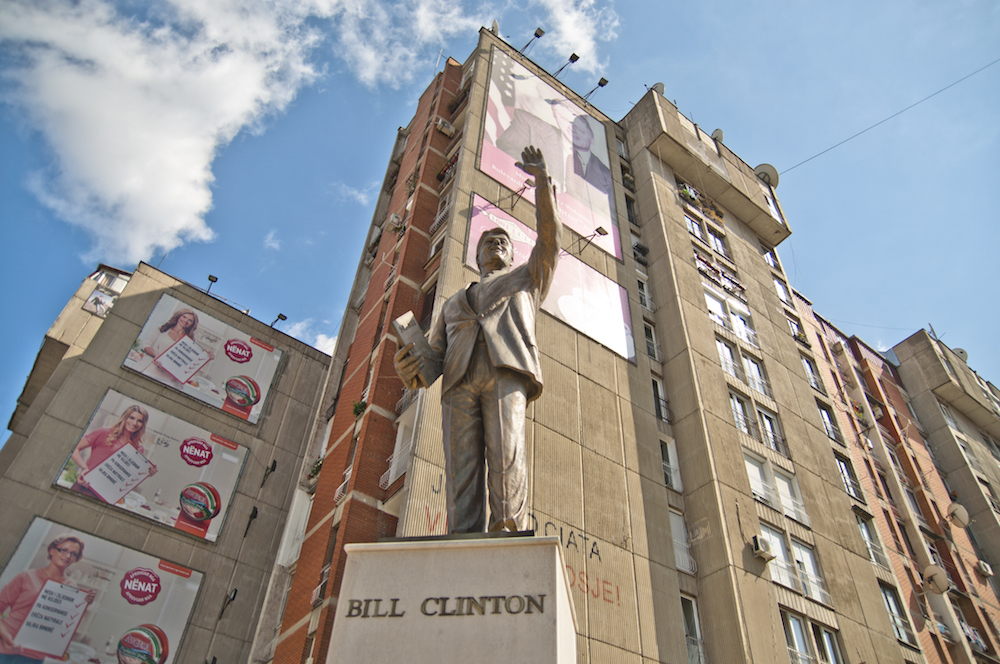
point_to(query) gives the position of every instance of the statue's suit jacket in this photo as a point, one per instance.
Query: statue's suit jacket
(509, 304)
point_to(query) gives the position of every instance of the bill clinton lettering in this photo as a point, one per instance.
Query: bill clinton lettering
(484, 340)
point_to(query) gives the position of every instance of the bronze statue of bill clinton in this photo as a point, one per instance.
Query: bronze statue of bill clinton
(484, 341)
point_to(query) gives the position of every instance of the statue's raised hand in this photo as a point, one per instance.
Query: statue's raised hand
(533, 163)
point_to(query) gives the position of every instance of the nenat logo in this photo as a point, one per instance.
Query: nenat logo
(140, 586)
(238, 351)
(196, 452)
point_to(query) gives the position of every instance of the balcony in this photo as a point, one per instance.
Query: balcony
(319, 592)
(341, 491)
(397, 461)
(802, 339)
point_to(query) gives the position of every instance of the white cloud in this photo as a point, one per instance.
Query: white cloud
(304, 331)
(135, 107)
(363, 196)
(576, 26)
(271, 242)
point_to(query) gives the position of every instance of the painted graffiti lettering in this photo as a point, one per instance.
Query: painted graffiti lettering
(597, 588)
(575, 539)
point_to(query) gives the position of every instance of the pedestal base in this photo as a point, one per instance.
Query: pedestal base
(483, 600)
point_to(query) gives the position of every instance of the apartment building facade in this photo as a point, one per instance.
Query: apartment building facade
(154, 454)
(685, 450)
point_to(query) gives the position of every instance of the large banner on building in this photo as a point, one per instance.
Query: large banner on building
(70, 596)
(522, 110)
(580, 296)
(203, 357)
(156, 466)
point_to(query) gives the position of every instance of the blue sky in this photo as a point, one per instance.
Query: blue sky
(246, 140)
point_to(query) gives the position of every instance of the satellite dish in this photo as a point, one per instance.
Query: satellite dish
(717, 135)
(962, 354)
(495, 28)
(767, 173)
(958, 514)
(936, 579)
(658, 88)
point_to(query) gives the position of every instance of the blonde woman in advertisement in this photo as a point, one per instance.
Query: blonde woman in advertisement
(103, 442)
(18, 597)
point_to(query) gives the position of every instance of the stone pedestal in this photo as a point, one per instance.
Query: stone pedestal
(497, 600)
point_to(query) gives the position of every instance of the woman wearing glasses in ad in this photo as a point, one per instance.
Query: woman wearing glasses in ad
(18, 597)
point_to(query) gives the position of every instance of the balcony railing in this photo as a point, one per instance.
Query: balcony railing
(746, 425)
(732, 368)
(876, 554)
(696, 651)
(853, 488)
(796, 656)
(341, 491)
(994, 503)
(785, 574)
(760, 384)
(814, 587)
(662, 411)
(795, 509)
(683, 559)
(748, 335)
(774, 441)
(764, 492)
(319, 592)
(669, 477)
(397, 461)
(833, 432)
(816, 383)
(902, 629)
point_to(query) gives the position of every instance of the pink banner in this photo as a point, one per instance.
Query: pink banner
(580, 296)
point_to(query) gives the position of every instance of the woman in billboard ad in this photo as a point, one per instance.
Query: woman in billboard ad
(18, 597)
(205, 358)
(70, 596)
(102, 443)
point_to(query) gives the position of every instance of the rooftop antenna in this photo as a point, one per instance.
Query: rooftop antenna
(538, 33)
(573, 57)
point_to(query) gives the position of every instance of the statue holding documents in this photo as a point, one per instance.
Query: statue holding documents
(483, 342)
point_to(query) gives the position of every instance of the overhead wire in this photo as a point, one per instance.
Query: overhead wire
(950, 85)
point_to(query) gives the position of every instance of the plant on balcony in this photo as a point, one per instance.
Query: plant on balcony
(687, 194)
(358, 408)
(316, 467)
(802, 339)
(859, 412)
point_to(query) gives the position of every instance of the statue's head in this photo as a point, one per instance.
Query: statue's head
(494, 251)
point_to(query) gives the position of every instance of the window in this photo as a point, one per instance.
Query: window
(900, 623)
(827, 645)
(782, 570)
(731, 314)
(671, 472)
(760, 485)
(682, 548)
(791, 497)
(756, 377)
(633, 214)
(645, 298)
(692, 631)
(948, 416)
(651, 348)
(660, 401)
(797, 332)
(830, 423)
(729, 357)
(812, 581)
(851, 484)
(743, 415)
(718, 242)
(875, 551)
(771, 431)
(770, 257)
(812, 374)
(782, 289)
(694, 226)
(797, 638)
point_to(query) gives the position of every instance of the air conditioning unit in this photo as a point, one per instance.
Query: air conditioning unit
(394, 220)
(838, 348)
(445, 127)
(762, 549)
(984, 568)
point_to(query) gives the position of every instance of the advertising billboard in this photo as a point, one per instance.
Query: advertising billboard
(203, 357)
(522, 110)
(66, 595)
(155, 465)
(580, 296)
